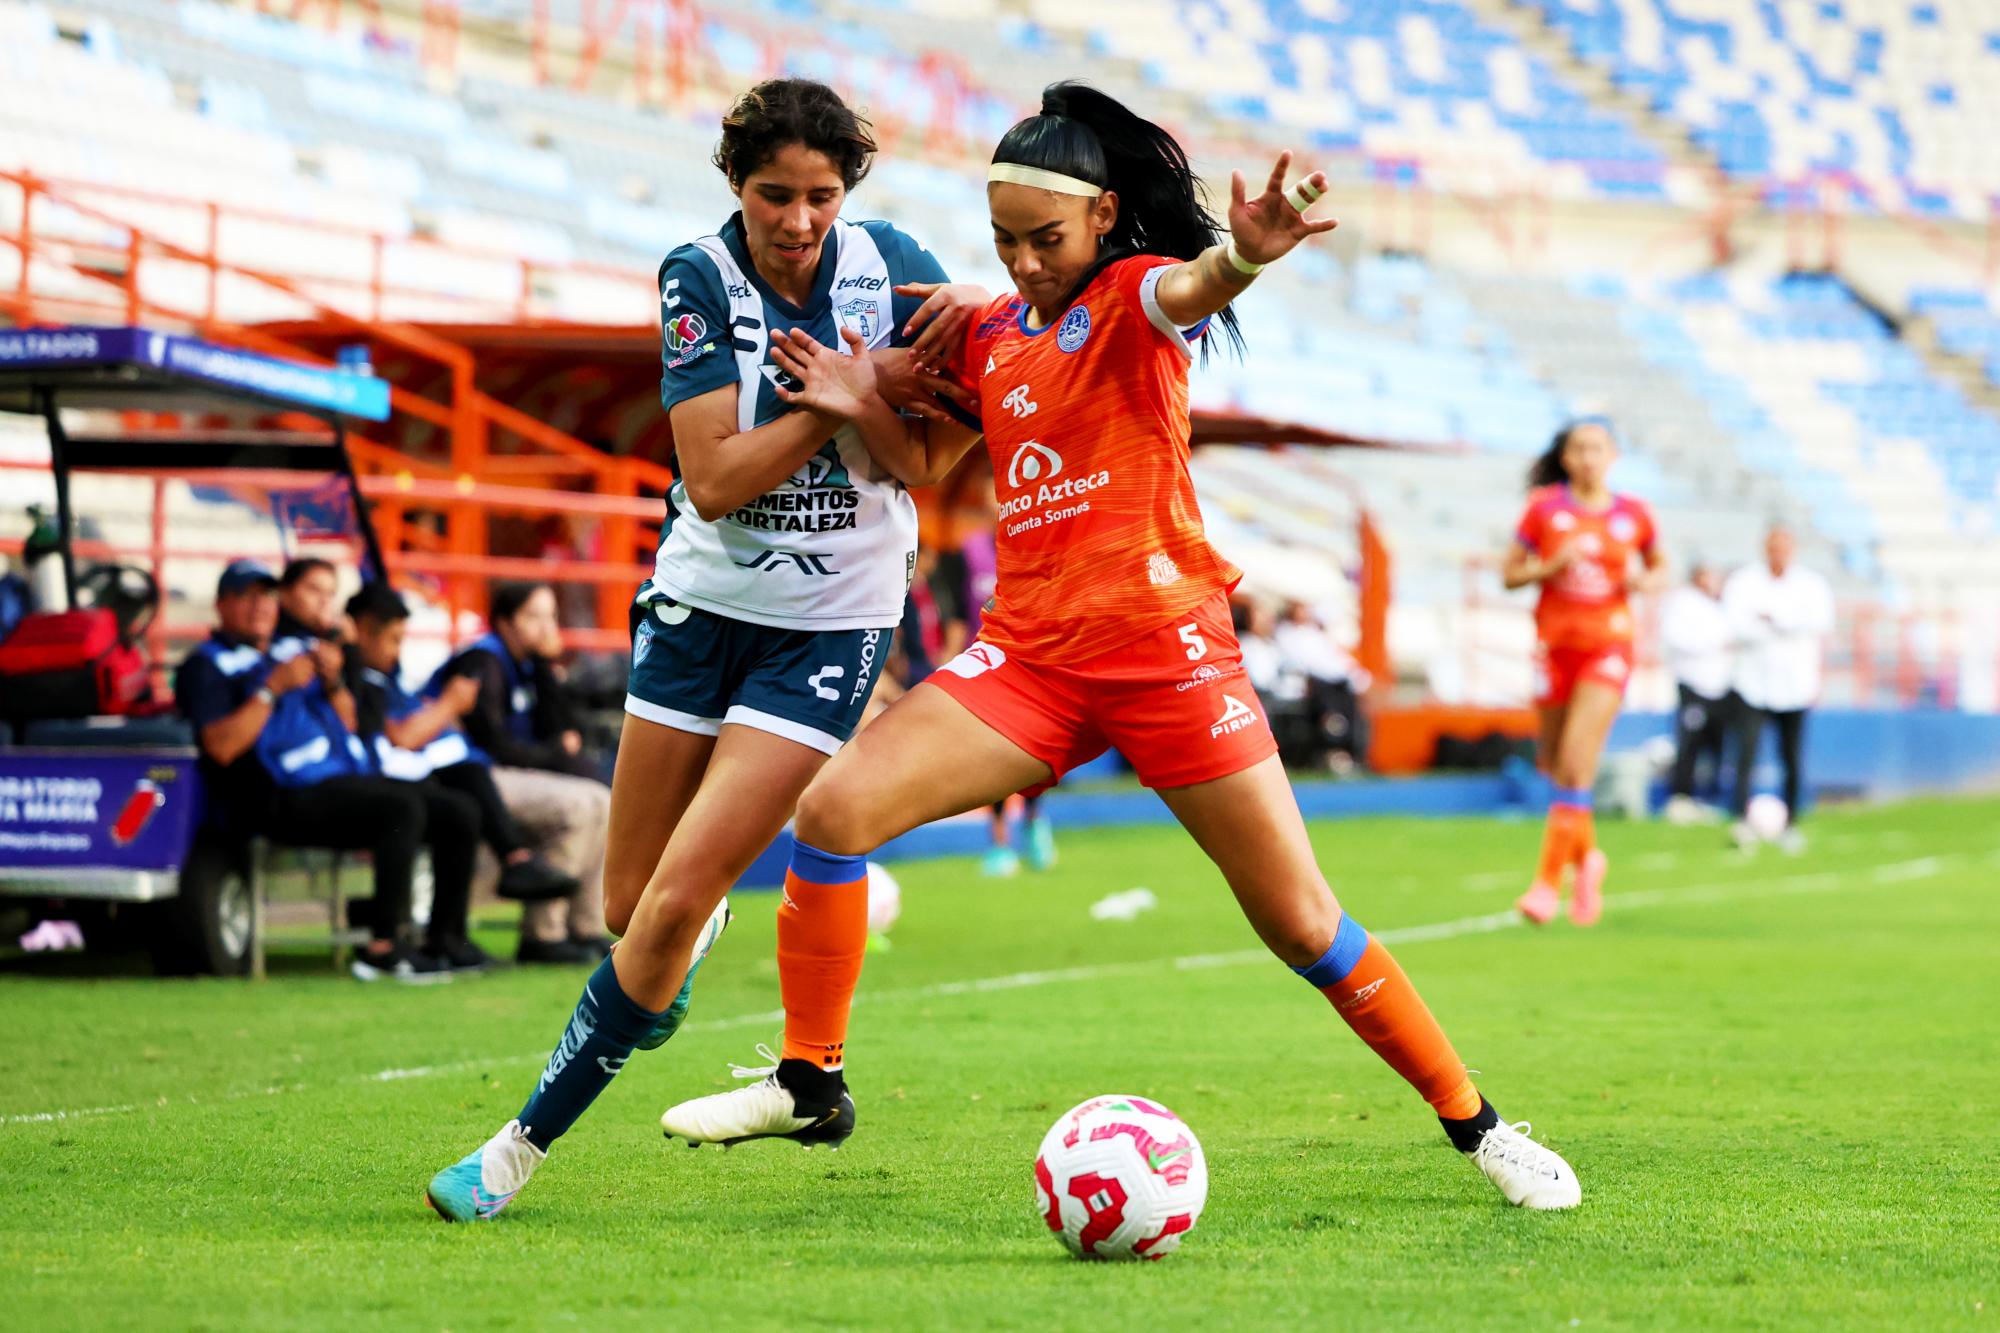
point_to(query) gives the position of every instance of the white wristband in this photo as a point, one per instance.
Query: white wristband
(1243, 265)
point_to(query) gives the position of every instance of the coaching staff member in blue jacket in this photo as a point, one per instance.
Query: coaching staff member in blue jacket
(278, 757)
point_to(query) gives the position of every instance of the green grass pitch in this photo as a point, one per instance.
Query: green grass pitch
(1777, 1078)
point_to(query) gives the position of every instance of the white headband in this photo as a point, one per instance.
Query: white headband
(1042, 180)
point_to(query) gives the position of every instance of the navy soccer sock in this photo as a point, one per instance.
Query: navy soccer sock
(599, 1039)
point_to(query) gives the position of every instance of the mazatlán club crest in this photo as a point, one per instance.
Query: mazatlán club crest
(1075, 329)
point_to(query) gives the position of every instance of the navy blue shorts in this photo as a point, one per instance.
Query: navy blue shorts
(694, 670)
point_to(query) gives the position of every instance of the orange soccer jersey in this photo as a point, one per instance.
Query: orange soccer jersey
(1585, 605)
(1100, 538)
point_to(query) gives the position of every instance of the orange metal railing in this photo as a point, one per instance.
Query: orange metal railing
(474, 479)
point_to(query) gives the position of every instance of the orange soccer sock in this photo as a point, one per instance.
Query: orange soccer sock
(1371, 993)
(822, 934)
(1585, 836)
(1569, 833)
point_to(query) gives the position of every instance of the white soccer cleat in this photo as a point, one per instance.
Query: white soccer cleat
(477, 1186)
(766, 1109)
(1528, 1173)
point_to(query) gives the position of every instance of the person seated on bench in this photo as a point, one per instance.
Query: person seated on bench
(419, 740)
(523, 720)
(307, 589)
(279, 758)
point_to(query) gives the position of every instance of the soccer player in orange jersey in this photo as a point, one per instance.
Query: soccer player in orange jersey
(1110, 623)
(1578, 541)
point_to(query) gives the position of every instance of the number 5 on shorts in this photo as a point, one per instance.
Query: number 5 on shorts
(1196, 645)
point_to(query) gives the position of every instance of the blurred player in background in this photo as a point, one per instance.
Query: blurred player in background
(1111, 623)
(758, 639)
(1578, 540)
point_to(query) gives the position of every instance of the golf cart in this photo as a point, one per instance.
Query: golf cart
(110, 808)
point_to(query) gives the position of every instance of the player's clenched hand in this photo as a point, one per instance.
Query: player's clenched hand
(948, 307)
(943, 386)
(1268, 227)
(1556, 561)
(907, 388)
(840, 386)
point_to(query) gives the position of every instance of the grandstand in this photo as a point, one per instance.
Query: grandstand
(1754, 235)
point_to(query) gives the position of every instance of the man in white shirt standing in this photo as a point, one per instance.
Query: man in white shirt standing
(1779, 615)
(1696, 641)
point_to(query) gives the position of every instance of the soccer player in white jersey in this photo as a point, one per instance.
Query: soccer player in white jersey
(782, 568)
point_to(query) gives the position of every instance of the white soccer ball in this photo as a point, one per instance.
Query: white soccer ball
(885, 899)
(1767, 816)
(1120, 1177)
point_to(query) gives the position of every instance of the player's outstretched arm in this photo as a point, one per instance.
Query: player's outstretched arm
(723, 468)
(916, 451)
(1261, 231)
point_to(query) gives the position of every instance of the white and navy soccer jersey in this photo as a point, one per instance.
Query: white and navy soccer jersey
(834, 547)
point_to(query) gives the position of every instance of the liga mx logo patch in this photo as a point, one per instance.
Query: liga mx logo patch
(684, 338)
(1074, 331)
(862, 315)
(685, 330)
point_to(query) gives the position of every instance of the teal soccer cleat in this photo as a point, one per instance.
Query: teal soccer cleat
(477, 1186)
(670, 1022)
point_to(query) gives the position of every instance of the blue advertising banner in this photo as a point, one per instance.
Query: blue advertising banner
(124, 810)
(287, 382)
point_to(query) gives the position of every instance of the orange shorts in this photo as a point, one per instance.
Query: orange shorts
(1176, 703)
(1558, 671)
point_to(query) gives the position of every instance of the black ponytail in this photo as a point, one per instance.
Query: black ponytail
(1162, 207)
(1548, 469)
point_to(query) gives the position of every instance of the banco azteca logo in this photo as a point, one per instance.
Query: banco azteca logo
(1033, 462)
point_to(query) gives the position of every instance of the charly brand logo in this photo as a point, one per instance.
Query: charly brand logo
(1032, 462)
(1074, 331)
(642, 642)
(826, 673)
(1018, 403)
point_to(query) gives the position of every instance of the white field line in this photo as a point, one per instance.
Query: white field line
(1780, 886)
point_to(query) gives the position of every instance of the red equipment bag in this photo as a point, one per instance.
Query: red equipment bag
(69, 664)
